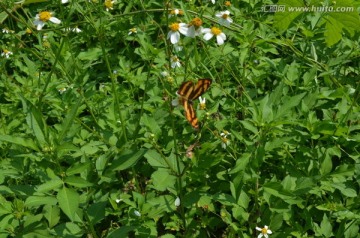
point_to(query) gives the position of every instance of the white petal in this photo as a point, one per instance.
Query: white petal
(40, 25)
(55, 20)
(260, 235)
(191, 32)
(257, 228)
(184, 30)
(206, 30)
(177, 202)
(219, 14)
(208, 36)
(219, 40)
(227, 12)
(175, 37)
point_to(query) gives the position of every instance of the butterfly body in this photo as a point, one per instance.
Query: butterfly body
(189, 91)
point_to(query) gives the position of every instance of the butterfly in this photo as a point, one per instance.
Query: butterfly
(189, 91)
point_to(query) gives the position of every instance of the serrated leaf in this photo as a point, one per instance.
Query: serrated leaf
(68, 201)
(77, 182)
(127, 159)
(49, 185)
(35, 201)
(163, 180)
(52, 215)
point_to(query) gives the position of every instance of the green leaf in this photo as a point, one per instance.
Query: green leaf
(37, 124)
(163, 180)
(28, 143)
(282, 20)
(50, 185)
(121, 232)
(151, 124)
(127, 159)
(96, 212)
(325, 226)
(155, 159)
(52, 215)
(68, 201)
(77, 182)
(35, 201)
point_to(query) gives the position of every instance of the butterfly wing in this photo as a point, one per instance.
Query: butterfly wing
(189, 91)
(200, 87)
(190, 114)
(186, 90)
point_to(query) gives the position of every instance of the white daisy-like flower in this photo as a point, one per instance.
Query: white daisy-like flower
(109, 5)
(224, 140)
(214, 31)
(213, 1)
(195, 27)
(175, 30)
(176, 12)
(132, 31)
(202, 104)
(64, 1)
(5, 31)
(224, 18)
(265, 232)
(43, 17)
(177, 202)
(6, 53)
(175, 62)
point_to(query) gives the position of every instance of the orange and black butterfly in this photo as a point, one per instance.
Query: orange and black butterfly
(189, 91)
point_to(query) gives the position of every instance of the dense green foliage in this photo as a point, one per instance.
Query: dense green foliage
(91, 146)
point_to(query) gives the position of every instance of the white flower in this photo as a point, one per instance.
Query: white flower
(6, 53)
(43, 17)
(64, 1)
(176, 12)
(5, 31)
(62, 90)
(175, 30)
(175, 62)
(76, 29)
(202, 104)
(224, 18)
(164, 73)
(224, 140)
(214, 31)
(177, 202)
(118, 200)
(178, 48)
(109, 5)
(195, 27)
(213, 1)
(137, 213)
(264, 231)
(132, 30)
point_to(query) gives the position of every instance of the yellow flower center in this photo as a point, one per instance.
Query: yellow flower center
(225, 16)
(108, 4)
(133, 30)
(28, 31)
(6, 52)
(225, 141)
(175, 27)
(197, 22)
(44, 16)
(227, 3)
(216, 31)
(202, 106)
(264, 231)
